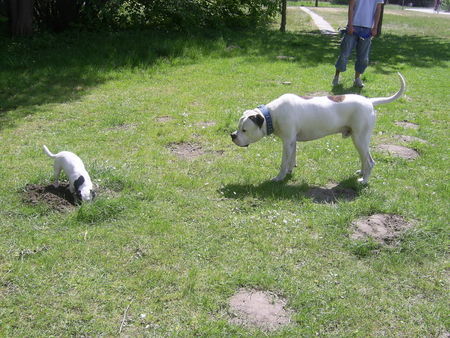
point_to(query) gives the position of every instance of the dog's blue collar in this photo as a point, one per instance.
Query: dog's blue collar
(266, 112)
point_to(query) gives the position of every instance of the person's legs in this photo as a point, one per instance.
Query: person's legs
(362, 59)
(347, 45)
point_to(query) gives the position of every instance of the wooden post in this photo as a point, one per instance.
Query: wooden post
(380, 24)
(283, 15)
(21, 17)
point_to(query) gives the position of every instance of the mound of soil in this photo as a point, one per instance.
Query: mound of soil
(186, 150)
(383, 228)
(399, 151)
(407, 124)
(163, 119)
(408, 139)
(59, 199)
(205, 124)
(260, 309)
(331, 193)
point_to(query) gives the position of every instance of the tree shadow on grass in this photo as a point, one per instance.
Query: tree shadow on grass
(347, 190)
(60, 68)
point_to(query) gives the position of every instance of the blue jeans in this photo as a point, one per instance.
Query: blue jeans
(348, 43)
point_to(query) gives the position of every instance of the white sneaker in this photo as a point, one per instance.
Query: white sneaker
(335, 81)
(358, 83)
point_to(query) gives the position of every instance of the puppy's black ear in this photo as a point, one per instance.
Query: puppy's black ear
(258, 119)
(78, 183)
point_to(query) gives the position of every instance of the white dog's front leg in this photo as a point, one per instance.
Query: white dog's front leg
(287, 159)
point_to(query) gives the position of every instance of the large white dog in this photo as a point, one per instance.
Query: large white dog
(294, 118)
(80, 182)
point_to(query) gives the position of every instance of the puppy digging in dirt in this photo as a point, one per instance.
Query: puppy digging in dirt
(294, 118)
(80, 183)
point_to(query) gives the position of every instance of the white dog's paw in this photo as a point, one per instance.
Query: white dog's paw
(362, 181)
(358, 172)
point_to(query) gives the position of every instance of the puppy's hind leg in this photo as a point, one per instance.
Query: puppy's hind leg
(57, 171)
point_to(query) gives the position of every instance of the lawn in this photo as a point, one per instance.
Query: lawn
(184, 218)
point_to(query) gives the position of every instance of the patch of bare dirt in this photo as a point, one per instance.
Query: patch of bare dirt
(285, 57)
(259, 309)
(59, 199)
(186, 150)
(383, 228)
(331, 193)
(409, 139)
(191, 150)
(407, 124)
(399, 151)
(206, 124)
(163, 119)
(124, 126)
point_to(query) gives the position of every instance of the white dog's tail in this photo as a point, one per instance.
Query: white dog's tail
(381, 100)
(48, 152)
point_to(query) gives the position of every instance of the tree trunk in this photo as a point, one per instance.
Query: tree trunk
(283, 15)
(21, 17)
(317, 3)
(380, 24)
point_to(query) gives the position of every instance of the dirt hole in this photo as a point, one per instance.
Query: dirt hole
(163, 119)
(383, 228)
(261, 309)
(205, 124)
(59, 199)
(399, 151)
(124, 126)
(406, 124)
(189, 151)
(186, 150)
(409, 139)
(331, 193)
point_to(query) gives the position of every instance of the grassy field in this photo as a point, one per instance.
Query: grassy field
(184, 218)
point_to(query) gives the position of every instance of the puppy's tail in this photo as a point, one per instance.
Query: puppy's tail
(48, 152)
(381, 100)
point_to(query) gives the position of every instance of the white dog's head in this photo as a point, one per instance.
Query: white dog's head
(83, 189)
(250, 128)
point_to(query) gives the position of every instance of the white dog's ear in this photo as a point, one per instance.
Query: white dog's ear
(78, 183)
(257, 119)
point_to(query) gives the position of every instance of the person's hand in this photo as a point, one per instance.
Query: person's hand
(374, 31)
(350, 29)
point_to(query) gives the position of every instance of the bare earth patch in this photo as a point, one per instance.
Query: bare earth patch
(206, 124)
(163, 119)
(331, 193)
(399, 151)
(409, 139)
(407, 124)
(186, 150)
(259, 309)
(383, 228)
(59, 199)
(190, 150)
(125, 126)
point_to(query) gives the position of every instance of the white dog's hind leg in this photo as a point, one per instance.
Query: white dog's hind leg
(57, 170)
(287, 159)
(362, 141)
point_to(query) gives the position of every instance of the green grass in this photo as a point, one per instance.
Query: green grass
(173, 238)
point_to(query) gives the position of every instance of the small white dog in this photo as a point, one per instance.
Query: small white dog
(294, 118)
(79, 181)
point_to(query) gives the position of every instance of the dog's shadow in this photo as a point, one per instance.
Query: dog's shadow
(347, 190)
